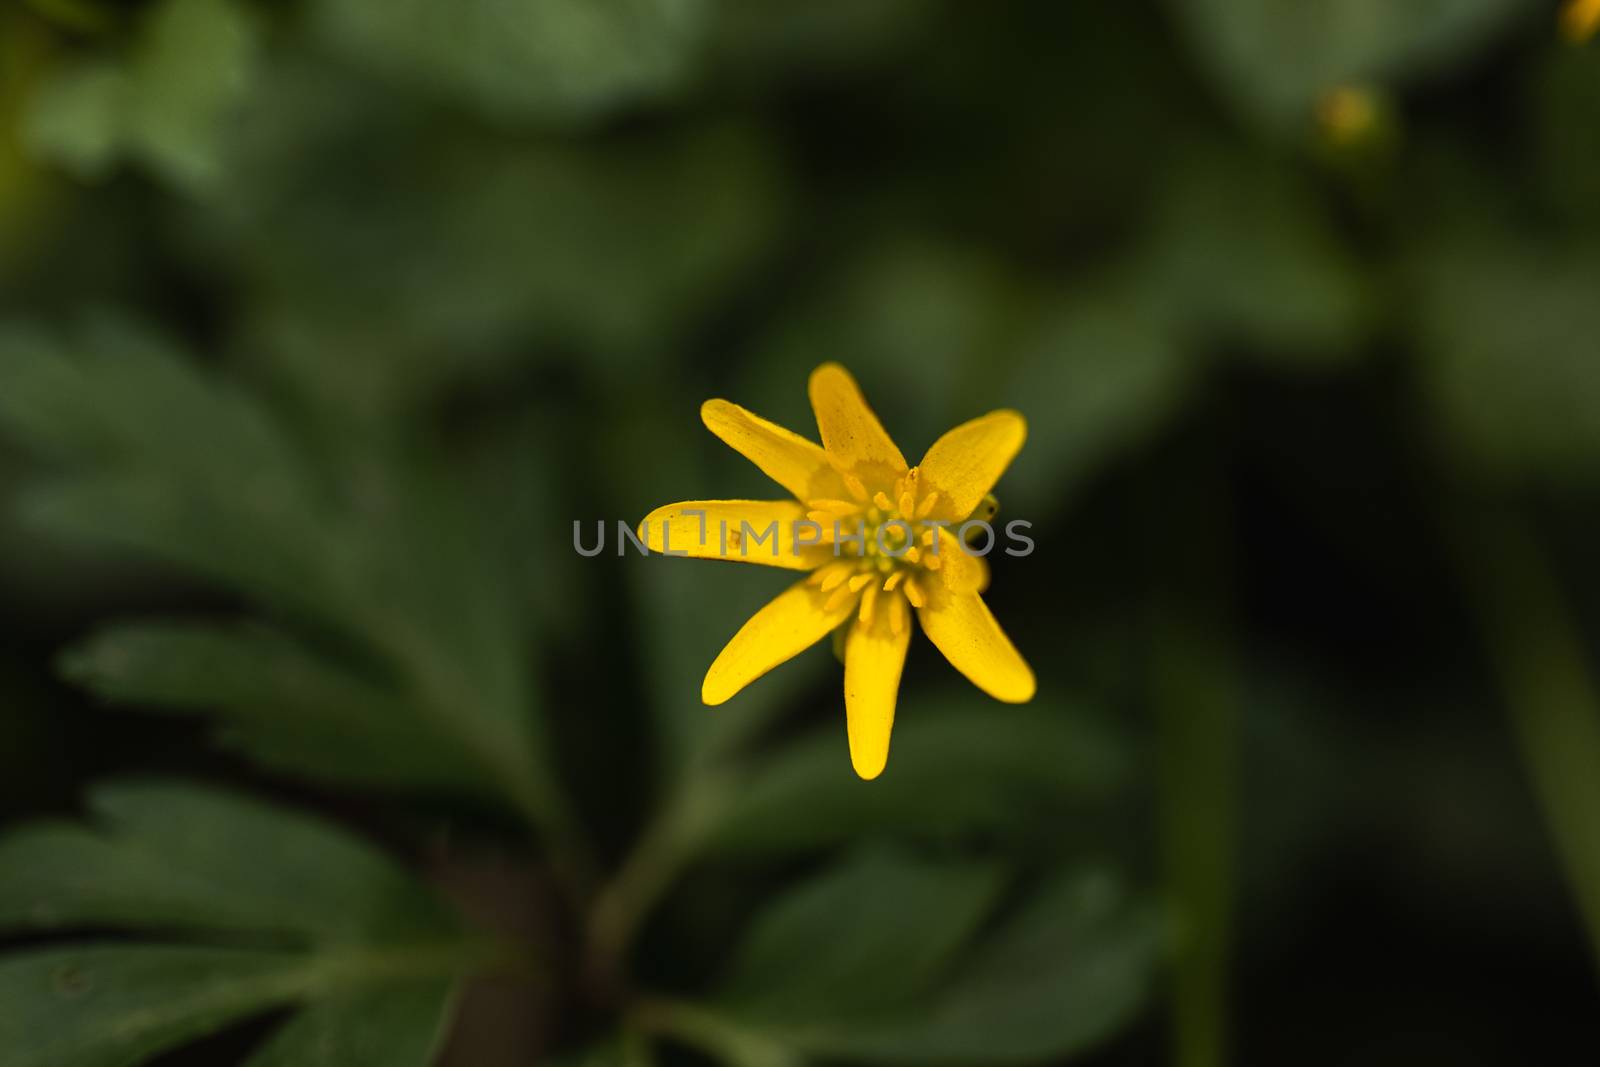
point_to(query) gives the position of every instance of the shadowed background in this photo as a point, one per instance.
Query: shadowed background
(321, 323)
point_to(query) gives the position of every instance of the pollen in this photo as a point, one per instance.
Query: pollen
(883, 543)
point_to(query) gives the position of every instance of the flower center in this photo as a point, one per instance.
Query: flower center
(885, 547)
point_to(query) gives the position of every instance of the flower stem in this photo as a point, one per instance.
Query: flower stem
(1549, 690)
(663, 850)
(703, 1028)
(1194, 692)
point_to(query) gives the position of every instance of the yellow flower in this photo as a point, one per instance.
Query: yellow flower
(1580, 19)
(879, 539)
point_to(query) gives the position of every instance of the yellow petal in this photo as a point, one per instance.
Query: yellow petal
(799, 465)
(747, 531)
(786, 627)
(874, 655)
(964, 464)
(959, 569)
(856, 441)
(960, 626)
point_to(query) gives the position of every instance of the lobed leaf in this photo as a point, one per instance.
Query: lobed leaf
(884, 959)
(1041, 759)
(157, 459)
(861, 938)
(296, 913)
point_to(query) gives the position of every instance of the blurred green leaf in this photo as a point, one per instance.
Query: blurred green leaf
(190, 68)
(861, 938)
(917, 321)
(1277, 57)
(1042, 759)
(337, 927)
(389, 1028)
(279, 702)
(1072, 966)
(1506, 329)
(169, 857)
(612, 1052)
(166, 102)
(1242, 252)
(552, 60)
(373, 242)
(769, 40)
(875, 971)
(75, 119)
(1566, 120)
(158, 459)
(1096, 373)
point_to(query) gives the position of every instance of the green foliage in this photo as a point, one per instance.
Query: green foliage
(281, 703)
(150, 454)
(1046, 760)
(561, 60)
(435, 279)
(859, 940)
(1504, 329)
(882, 966)
(1566, 122)
(235, 909)
(442, 238)
(1111, 356)
(163, 102)
(1277, 57)
(1244, 254)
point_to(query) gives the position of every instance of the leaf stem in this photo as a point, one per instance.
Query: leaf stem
(1550, 692)
(1194, 692)
(716, 1035)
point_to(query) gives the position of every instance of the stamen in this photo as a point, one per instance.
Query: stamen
(932, 561)
(860, 582)
(907, 503)
(894, 580)
(822, 574)
(868, 599)
(857, 490)
(914, 594)
(897, 615)
(821, 518)
(927, 504)
(912, 554)
(882, 500)
(838, 599)
(835, 577)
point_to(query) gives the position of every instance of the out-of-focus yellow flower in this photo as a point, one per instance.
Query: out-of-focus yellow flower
(1580, 19)
(874, 534)
(1349, 114)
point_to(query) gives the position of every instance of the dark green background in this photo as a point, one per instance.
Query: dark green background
(1314, 448)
